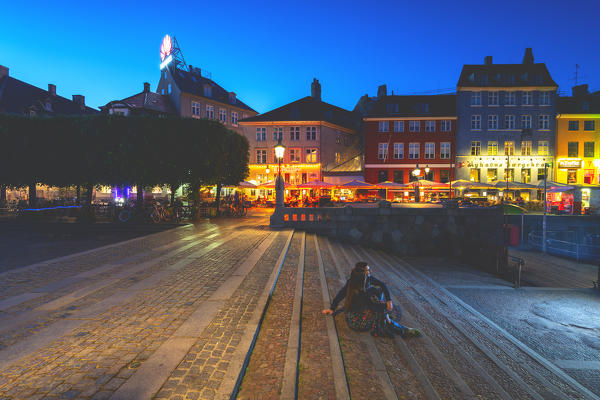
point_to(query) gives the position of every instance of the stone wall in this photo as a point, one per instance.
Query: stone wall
(473, 235)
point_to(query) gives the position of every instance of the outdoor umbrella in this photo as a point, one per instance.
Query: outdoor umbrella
(357, 185)
(513, 185)
(430, 184)
(391, 185)
(464, 184)
(316, 184)
(553, 185)
(247, 185)
(271, 185)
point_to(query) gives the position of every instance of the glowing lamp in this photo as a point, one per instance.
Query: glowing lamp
(597, 163)
(279, 150)
(427, 169)
(416, 171)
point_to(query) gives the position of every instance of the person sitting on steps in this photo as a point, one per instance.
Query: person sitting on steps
(367, 305)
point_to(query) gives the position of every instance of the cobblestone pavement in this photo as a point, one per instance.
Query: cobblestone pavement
(90, 348)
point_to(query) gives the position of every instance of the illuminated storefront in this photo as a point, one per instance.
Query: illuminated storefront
(577, 152)
(292, 173)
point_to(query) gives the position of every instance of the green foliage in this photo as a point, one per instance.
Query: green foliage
(117, 150)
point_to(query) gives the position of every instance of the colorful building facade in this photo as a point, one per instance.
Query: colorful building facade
(403, 132)
(320, 139)
(578, 138)
(506, 121)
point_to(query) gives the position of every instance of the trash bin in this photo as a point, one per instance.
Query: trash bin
(513, 234)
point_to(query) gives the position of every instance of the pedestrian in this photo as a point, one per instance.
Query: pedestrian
(367, 305)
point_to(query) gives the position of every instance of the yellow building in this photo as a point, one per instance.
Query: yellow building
(578, 138)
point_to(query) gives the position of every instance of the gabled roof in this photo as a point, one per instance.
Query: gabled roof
(146, 100)
(308, 109)
(440, 105)
(505, 75)
(194, 82)
(587, 104)
(18, 97)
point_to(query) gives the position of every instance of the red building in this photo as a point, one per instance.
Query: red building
(402, 132)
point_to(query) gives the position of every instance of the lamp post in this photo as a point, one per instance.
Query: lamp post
(267, 170)
(426, 177)
(416, 172)
(279, 185)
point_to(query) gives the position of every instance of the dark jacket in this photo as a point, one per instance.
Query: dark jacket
(362, 300)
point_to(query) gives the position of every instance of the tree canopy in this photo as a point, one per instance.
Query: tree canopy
(117, 150)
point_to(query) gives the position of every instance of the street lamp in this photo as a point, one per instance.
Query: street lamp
(279, 152)
(267, 170)
(416, 172)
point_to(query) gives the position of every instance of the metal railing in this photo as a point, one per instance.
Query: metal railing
(565, 248)
(518, 263)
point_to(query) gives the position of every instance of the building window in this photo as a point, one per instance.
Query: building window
(383, 126)
(509, 148)
(588, 149)
(474, 175)
(222, 115)
(261, 134)
(526, 175)
(311, 155)
(526, 148)
(399, 176)
(277, 134)
(295, 133)
(210, 112)
(398, 126)
(588, 125)
(398, 151)
(544, 122)
(338, 158)
(573, 149)
(476, 122)
(541, 174)
(510, 99)
(294, 155)
(544, 98)
(446, 125)
(429, 150)
(207, 91)
(509, 174)
(392, 108)
(493, 98)
(492, 122)
(572, 176)
(311, 133)
(234, 118)
(429, 126)
(475, 148)
(492, 148)
(444, 176)
(196, 110)
(492, 175)
(170, 89)
(543, 148)
(573, 125)
(527, 98)
(415, 126)
(445, 150)
(382, 176)
(526, 121)
(413, 150)
(261, 156)
(509, 122)
(475, 98)
(382, 151)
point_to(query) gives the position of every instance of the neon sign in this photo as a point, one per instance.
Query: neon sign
(570, 163)
(165, 51)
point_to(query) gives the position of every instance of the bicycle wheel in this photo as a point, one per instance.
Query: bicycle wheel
(155, 216)
(124, 215)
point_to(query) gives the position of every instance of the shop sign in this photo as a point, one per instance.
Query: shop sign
(570, 164)
(165, 51)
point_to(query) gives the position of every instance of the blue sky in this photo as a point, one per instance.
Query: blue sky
(268, 52)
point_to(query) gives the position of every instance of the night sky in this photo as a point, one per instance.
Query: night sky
(268, 52)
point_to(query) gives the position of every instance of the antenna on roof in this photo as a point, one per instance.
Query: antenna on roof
(178, 55)
(578, 76)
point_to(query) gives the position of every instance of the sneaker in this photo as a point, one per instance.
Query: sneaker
(411, 332)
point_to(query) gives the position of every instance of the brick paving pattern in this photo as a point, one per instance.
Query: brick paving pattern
(315, 379)
(264, 374)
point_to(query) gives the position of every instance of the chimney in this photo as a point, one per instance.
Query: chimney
(52, 89)
(528, 57)
(146, 87)
(191, 68)
(487, 60)
(315, 89)
(580, 90)
(381, 91)
(79, 100)
(3, 71)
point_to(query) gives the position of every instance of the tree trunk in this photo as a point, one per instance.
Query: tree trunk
(139, 202)
(78, 198)
(2, 195)
(32, 195)
(218, 198)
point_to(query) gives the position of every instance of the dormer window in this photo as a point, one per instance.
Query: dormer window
(422, 107)
(207, 91)
(472, 77)
(392, 108)
(524, 76)
(170, 89)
